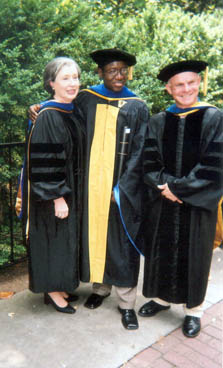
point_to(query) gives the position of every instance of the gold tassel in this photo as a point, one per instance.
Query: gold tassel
(130, 74)
(205, 82)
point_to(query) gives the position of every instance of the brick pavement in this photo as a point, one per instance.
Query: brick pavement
(177, 351)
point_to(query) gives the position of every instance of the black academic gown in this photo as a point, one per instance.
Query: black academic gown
(107, 256)
(186, 154)
(54, 156)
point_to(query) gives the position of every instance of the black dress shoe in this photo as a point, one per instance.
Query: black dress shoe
(72, 298)
(191, 326)
(129, 319)
(68, 309)
(151, 308)
(95, 300)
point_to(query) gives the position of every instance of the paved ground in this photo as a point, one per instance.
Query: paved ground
(175, 350)
(33, 335)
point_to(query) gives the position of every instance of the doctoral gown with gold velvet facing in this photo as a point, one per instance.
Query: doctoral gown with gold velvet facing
(187, 154)
(107, 256)
(54, 161)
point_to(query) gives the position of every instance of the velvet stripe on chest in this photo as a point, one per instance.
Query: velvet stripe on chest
(169, 143)
(190, 144)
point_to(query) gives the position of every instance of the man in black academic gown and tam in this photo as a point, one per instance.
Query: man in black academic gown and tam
(183, 172)
(108, 257)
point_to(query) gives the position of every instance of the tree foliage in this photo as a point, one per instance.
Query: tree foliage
(111, 8)
(34, 31)
(196, 7)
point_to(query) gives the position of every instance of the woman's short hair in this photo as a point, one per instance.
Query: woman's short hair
(53, 68)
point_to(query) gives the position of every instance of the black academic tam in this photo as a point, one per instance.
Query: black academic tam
(107, 56)
(170, 70)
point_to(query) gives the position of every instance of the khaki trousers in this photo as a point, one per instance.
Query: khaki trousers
(126, 296)
(195, 312)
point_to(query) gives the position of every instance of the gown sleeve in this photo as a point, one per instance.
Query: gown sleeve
(202, 187)
(138, 120)
(81, 103)
(131, 183)
(48, 157)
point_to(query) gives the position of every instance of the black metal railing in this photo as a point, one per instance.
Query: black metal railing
(12, 236)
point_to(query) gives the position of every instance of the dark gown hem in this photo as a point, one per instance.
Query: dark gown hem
(47, 290)
(174, 301)
(190, 303)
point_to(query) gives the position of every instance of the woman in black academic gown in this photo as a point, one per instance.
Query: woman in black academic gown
(54, 165)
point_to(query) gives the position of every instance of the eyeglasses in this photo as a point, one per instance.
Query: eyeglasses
(113, 72)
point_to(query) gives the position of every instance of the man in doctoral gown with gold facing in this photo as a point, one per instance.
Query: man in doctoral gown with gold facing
(183, 172)
(107, 256)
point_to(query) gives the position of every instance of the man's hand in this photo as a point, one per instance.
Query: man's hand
(33, 112)
(61, 208)
(168, 194)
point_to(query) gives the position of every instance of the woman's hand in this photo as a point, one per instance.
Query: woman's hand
(61, 208)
